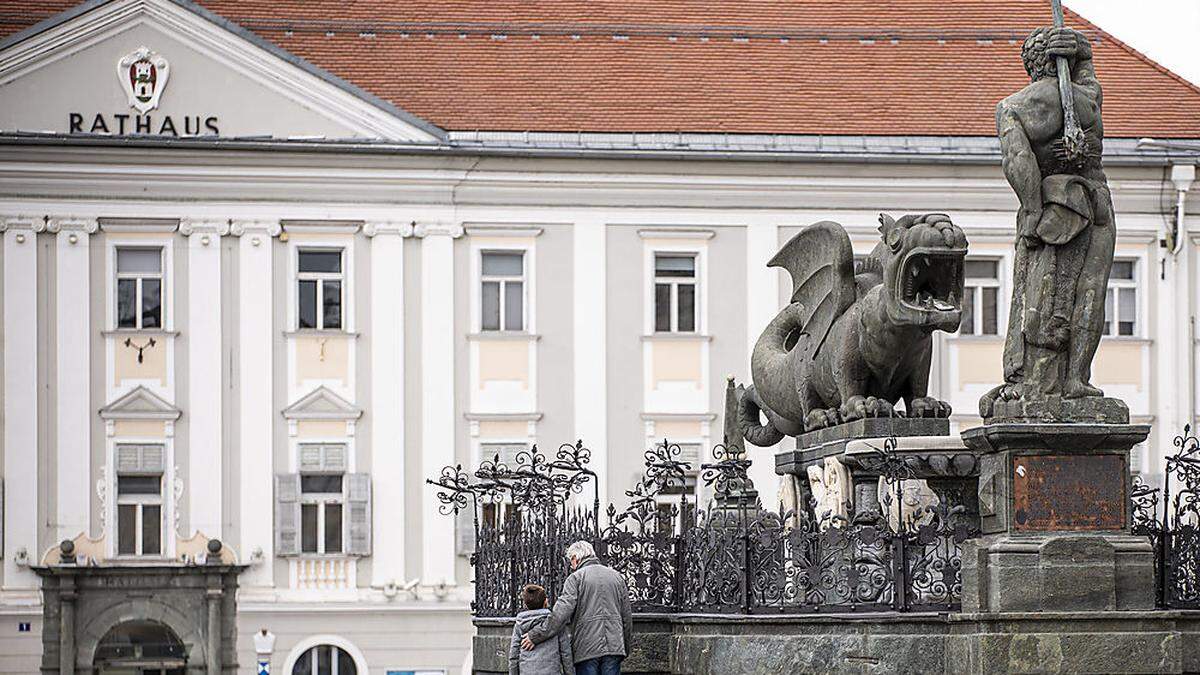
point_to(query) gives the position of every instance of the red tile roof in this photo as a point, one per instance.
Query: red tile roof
(911, 67)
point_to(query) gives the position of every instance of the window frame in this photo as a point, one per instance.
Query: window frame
(675, 282)
(1114, 286)
(321, 278)
(139, 501)
(504, 280)
(322, 499)
(164, 244)
(975, 286)
(138, 278)
(502, 241)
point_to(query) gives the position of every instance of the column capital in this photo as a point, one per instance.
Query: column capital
(373, 228)
(204, 226)
(28, 223)
(243, 226)
(76, 224)
(430, 229)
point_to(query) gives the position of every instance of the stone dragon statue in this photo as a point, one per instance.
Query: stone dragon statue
(851, 345)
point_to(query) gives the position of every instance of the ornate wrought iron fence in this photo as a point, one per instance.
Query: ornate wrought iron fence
(731, 556)
(1170, 517)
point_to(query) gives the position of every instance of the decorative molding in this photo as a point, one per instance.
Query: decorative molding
(524, 231)
(503, 336)
(676, 233)
(140, 404)
(75, 224)
(191, 226)
(373, 228)
(239, 227)
(503, 417)
(102, 495)
(28, 223)
(677, 337)
(678, 417)
(432, 229)
(322, 404)
(320, 226)
(136, 225)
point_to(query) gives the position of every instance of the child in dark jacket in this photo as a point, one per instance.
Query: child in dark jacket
(552, 657)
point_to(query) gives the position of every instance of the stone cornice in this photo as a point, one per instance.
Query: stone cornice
(190, 226)
(431, 229)
(373, 228)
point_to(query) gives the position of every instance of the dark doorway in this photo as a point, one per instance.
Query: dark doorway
(141, 648)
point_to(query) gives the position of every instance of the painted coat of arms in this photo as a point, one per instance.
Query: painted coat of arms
(143, 75)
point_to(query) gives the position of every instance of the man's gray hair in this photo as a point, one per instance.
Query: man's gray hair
(580, 550)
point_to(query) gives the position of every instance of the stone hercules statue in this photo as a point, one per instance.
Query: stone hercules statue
(1051, 139)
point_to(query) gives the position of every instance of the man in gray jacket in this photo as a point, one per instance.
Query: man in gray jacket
(595, 602)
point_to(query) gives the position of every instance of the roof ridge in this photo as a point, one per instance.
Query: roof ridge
(1136, 54)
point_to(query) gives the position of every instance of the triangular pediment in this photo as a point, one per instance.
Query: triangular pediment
(140, 404)
(172, 68)
(322, 404)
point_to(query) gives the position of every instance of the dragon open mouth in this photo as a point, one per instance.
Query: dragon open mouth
(931, 280)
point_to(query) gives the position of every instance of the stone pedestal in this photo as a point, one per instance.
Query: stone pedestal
(1054, 506)
(947, 466)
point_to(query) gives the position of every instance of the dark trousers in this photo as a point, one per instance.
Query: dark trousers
(601, 665)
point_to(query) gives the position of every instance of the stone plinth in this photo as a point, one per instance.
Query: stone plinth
(973, 643)
(1054, 504)
(947, 466)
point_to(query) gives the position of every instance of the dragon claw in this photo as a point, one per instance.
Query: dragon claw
(820, 418)
(927, 406)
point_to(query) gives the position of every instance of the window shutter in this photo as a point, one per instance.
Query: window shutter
(464, 524)
(317, 457)
(358, 502)
(139, 459)
(287, 514)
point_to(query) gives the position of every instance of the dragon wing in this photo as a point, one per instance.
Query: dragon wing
(821, 262)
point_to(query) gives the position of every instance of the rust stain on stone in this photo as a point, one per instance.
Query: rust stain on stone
(1069, 492)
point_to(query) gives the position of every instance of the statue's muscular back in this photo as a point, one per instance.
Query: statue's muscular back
(1039, 109)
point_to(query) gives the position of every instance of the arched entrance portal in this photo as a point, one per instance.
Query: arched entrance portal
(140, 648)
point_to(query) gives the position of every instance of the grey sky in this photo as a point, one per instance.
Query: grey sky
(1167, 31)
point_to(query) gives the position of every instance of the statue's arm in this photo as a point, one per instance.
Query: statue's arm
(1075, 47)
(1020, 168)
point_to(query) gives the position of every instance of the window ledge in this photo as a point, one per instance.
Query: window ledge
(670, 337)
(502, 336)
(1128, 339)
(134, 332)
(312, 332)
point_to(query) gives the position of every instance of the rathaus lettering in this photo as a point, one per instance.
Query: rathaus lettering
(121, 124)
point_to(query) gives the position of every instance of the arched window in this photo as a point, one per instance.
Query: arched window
(325, 660)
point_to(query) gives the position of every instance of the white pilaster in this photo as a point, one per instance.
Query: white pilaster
(762, 304)
(255, 278)
(387, 399)
(590, 339)
(437, 387)
(20, 401)
(203, 413)
(73, 375)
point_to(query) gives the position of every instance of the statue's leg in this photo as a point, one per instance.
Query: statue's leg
(1088, 318)
(1043, 363)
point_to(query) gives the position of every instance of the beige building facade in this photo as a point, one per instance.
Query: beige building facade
(270, 327)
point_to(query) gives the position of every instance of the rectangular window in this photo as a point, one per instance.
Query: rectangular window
(139, 500)
(139, 287)
(675, 297)
(1121, 300)
(322, 497)
(981, 298)
(502, 291)
(319, 289)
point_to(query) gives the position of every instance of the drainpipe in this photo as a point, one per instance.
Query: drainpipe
(1182, 176)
